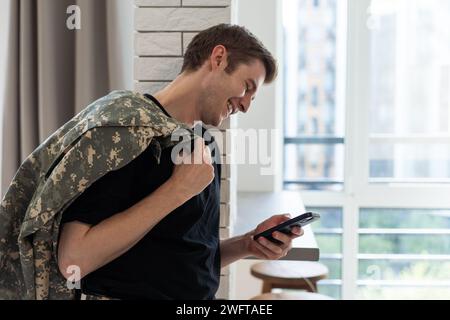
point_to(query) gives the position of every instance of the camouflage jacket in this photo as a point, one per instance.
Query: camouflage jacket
(105, 136)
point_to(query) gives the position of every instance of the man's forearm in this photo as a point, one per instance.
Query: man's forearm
(114, 236)
(233, 249)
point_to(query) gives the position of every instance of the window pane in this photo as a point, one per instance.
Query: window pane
(401, 270)
(329, 243)
(404, 244)
(310, 70)
(410, 59)
(418, 242)
(313, 93)
(334, 268)
(319, 166)
(404, 218)
(410, 89)
(330, 218)
(410, 161)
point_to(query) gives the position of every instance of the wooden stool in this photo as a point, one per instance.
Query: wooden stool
(292, 296)
(302, 275)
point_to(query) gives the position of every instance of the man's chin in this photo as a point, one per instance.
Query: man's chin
(215, 122)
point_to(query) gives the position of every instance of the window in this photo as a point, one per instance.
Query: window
(367, 141)
(328, 233)
(409, 92)
(314, 131)
(404, 253)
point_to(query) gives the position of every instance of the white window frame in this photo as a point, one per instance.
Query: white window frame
(358, 192)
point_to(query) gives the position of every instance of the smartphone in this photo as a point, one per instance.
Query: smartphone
(285, 227)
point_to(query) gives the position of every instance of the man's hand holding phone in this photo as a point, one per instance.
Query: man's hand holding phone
(265, 249)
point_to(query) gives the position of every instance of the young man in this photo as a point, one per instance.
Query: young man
(150, 230)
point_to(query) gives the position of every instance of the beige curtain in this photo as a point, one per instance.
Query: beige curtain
(54, 72)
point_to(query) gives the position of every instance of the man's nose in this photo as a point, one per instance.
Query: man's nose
(245, 103)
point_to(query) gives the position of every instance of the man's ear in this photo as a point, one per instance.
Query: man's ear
(218, 57)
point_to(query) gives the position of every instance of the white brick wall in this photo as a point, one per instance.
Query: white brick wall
(164, 29)
(179, 19)
(204, 3)
(187, 38)
(159, 68)
(158, 3)
(158, 44)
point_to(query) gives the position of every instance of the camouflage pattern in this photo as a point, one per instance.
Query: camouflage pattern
(105, 136)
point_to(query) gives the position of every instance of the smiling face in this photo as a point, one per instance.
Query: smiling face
(223, 93)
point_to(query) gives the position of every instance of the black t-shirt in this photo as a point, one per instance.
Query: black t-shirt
(179, 258)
